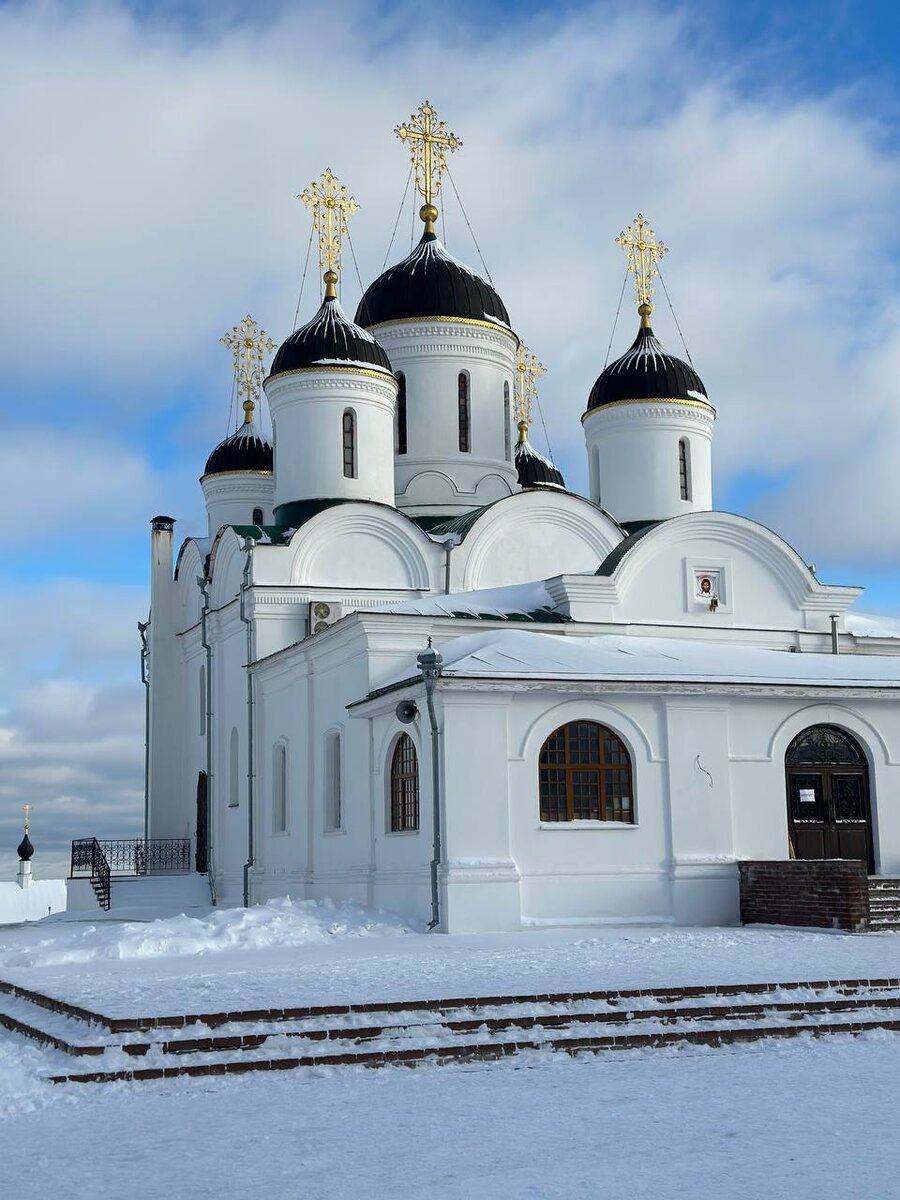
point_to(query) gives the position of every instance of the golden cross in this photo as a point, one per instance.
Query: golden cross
(528, 371)
(26, 809)
(644, 252)
(331, 205)
(428, 142)
(249, 346)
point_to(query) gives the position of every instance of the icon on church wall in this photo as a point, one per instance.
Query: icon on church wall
(708, 589)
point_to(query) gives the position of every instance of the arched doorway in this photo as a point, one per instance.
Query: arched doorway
(828, 796)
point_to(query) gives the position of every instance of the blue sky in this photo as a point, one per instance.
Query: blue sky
(152, 157)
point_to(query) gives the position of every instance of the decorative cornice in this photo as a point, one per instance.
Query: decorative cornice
(229, 474)
(471, 321)
(332, 368)
(626, 410)
(662, 403)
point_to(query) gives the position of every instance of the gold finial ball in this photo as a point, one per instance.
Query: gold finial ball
(427, 213)
(644, 310)
(330, 277)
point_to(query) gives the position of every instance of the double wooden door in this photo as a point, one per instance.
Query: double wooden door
(828, 801)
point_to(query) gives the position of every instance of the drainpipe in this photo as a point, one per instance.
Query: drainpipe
(143, 626)
(203, 584)
(835, 646)
(430, 664)
(248, 547)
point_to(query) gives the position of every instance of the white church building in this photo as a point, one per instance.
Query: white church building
(406, 666)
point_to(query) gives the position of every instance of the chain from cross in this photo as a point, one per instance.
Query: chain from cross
(528, 371)
(331, 204)
(643, 252)
(249, 346)
(26, 809)
(428, 142)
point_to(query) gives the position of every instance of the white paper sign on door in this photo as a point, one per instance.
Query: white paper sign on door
(807, 796)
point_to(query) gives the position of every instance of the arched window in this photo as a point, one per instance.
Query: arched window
(202, 701)
(507, 424)
(465, 438)
(333, 814)
(684, 468)
(279, 788)
(401, 413)
(234, 766)
(585, 775)
(257, 516)
(404, 786)
(349, 432)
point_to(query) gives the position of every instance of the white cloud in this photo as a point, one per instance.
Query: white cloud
(148, 185)
(149, 201)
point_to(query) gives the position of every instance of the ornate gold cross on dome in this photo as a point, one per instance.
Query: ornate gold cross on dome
(249, 346)
(528, 371)
(643, 252)
(428, 142)
(331, 205)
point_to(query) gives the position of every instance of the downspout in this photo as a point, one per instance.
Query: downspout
(248, 547)
(143, 626)
(430, 663)
(203, 584)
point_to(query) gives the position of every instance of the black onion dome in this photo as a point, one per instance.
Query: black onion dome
(25, 850)
(534, 470)
(430, 283)
(646, 372)
(247, 450)
(330, 339)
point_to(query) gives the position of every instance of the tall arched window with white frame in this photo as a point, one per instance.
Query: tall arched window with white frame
(334, 817)
(349, 442)
(404, 789)
(464, 413)
(279, 788)
(234, 766)
(507, 423)
(684, 468)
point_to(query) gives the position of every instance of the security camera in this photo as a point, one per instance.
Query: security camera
(407, 711)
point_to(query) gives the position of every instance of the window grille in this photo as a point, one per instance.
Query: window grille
(465, 438)
(683, 475)
(349, 432)
(404, 786)
(401, 414)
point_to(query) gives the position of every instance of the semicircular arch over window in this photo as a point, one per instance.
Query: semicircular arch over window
(585, 774)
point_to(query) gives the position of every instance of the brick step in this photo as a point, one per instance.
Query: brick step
(615, 997)
(487, 1051)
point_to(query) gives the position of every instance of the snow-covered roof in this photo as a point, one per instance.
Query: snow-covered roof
(522, 654)
(520, 600)
(874, 625)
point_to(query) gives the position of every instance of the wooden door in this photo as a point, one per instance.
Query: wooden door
(828, 797)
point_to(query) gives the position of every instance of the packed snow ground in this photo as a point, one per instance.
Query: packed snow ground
(306, 952)
(800, 1120)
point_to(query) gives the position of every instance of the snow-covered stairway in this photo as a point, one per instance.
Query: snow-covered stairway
(884, 902)
(146, 897)
(435, 1031)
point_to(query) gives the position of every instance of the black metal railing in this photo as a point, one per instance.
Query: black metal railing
(88, 858)
(131, 856)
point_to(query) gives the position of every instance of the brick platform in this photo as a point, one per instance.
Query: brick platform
(829, 894)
